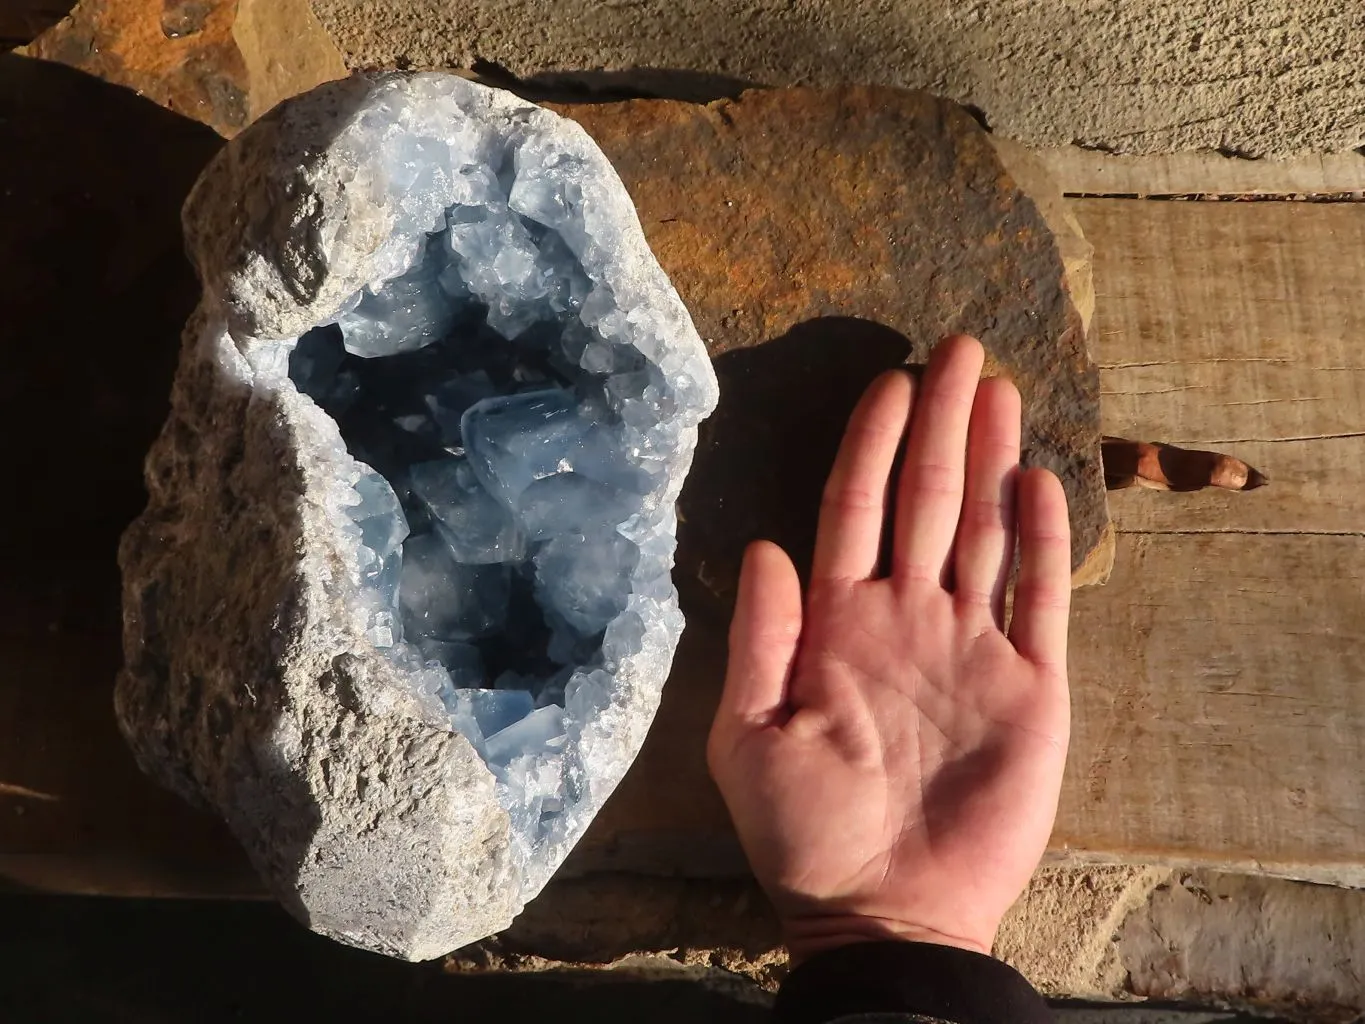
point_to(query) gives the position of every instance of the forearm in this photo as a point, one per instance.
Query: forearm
(874, 982)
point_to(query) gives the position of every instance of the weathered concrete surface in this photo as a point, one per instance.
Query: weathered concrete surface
(1061, 931)
(1285, 947)
(1260, 78)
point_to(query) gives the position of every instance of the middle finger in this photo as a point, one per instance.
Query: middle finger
(929, 498)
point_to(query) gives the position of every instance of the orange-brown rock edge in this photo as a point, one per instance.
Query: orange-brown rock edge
(819, 237)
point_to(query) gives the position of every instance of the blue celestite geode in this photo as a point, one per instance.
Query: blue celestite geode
(519, 443)
(435, 339)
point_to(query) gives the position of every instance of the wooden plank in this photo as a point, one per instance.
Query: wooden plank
(1223, 321)
(1217, 686)
(1218, 679)
(1239, 329)
(1091, 172)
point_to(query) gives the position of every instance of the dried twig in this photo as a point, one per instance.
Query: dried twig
(1164, 467)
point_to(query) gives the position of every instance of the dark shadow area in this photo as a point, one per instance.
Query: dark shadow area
(94, 294)
(762, 458)
(610, 86)
(91, 961)
(82, 960)
(22, 21)
(93, 297)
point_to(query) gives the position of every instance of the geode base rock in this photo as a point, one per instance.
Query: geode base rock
(400, 606)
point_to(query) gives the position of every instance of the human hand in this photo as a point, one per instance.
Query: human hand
(891, 755)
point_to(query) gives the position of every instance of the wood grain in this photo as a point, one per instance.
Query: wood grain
(1237, 328)
(1219, 694)
(1217, 709)
(1088, 171)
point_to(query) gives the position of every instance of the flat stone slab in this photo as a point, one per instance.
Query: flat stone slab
(818, 238)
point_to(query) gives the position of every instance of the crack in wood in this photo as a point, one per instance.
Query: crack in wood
(1352, 196)
(1283, 361)
(1235, 532)
(1277, 440)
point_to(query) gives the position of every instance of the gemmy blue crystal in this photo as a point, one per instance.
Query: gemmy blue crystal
(383, 527)
(494, 415)
(580, 578)
(405, 314)
(445, 599)
(539, 731)
(461, 660)
(478, 528)
(571, 503)
(492, 710)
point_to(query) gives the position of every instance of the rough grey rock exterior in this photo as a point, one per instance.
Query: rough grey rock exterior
(248, 685)
(369, 819)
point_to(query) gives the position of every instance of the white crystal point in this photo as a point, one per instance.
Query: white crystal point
(400, 608)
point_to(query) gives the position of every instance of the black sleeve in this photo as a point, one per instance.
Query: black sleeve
(907, 981)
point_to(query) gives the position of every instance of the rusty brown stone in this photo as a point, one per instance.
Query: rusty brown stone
(178, 53)
(184, 17)
(819, 237)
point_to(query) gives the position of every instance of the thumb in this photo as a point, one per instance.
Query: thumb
(763, 638)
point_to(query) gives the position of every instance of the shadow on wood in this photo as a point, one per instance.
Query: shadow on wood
(95, 292)
(22, 21)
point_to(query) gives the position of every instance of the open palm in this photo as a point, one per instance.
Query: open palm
(891, 755)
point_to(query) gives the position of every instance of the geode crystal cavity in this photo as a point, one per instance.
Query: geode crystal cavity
(400, 606)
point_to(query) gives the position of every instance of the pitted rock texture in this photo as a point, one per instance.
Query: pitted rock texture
(258, 680)
(819, 237)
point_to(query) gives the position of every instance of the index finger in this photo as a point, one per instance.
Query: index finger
(853, 509)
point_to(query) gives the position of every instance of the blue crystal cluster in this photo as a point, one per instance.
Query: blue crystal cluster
(516, 445)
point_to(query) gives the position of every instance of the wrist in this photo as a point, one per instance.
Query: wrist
(808, 935)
